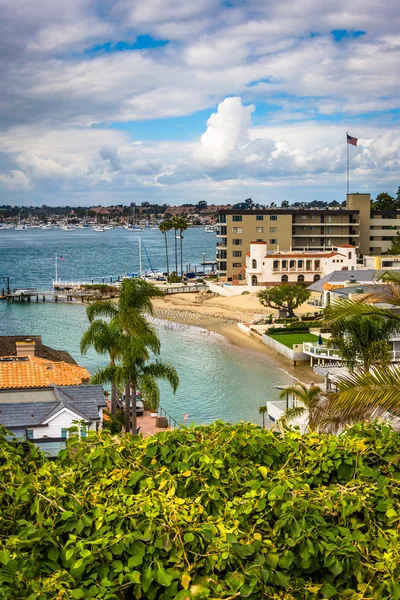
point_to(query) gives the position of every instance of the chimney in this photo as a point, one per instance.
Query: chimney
(26, 348)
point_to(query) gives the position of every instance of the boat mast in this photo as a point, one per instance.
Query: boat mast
(56, 269)
(140, 258)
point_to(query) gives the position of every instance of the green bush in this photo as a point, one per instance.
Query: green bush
(205, 512)
(283, 330)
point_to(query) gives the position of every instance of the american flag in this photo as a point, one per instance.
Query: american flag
(62, 258)
(352, 140)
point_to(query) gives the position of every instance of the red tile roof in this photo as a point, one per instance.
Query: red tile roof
(35, 372)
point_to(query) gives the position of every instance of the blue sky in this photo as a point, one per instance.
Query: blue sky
(173, 101)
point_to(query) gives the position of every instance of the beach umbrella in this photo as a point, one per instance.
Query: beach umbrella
(320, 342)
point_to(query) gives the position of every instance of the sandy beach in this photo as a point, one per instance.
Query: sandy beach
(220, 315)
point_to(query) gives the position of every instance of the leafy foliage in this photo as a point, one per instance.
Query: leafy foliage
(284, 297)
(212, 512)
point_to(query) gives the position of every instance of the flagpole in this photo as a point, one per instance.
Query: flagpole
(348, 164)
(56, 268)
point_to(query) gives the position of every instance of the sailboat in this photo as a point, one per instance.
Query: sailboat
(20, 226)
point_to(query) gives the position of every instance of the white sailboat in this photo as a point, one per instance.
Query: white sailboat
(20, 226)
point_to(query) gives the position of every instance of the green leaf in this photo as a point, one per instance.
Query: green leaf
(4, 557)
(286, 560)
(336, 568)
(263, 471)
(78, 593)
(235, 580)
(135, 561)
(188, 537)
(282, 579)
(328, 590)
(162, 577)
(272, 559)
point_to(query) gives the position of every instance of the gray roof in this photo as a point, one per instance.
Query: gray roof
(357, 275)
(83, 400)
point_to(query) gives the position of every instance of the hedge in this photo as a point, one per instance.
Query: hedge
(211, 512)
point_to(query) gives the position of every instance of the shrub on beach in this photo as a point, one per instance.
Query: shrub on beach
(205, 512)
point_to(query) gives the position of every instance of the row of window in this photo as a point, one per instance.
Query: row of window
(258, 230)
(239, 218)
(64, 433)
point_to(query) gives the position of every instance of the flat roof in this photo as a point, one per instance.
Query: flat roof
(287, 211)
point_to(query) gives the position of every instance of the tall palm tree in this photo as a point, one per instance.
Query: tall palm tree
(105, 337)
(136, 373)
(175, 221)
(262, 410)
(183, 225)
(164, 227)
(312, 403)
(134, 303)
(375, 392)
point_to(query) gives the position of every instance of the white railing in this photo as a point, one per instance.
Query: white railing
(321, 351)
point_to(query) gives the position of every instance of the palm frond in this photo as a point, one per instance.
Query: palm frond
(294, 412)
(110, 374)
(352, 308)
(102, 308)
(362, 394)
(150, 391)
(163, 370)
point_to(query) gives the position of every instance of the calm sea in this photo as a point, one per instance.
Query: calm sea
(217, 380)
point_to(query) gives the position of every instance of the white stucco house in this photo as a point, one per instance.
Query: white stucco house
(265, 268)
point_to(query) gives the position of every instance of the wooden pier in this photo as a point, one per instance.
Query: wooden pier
(32, 295)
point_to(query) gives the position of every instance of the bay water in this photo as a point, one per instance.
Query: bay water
(217, 379)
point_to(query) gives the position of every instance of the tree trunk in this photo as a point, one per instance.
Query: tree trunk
(263, 416)
(176, 255)
(128, 407)
(166, 254)
(113, 399)
(181, 255)
(134, 418)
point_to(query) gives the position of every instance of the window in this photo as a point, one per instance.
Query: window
(275, 264)
(260, 229)
(29, 434)
(236, 242)
(299, 264)
(308, 265)
(303, 217)
(237, 230)
(64, 433)
(237, 254)
(329, 242)
(284, 278)
(273, 217)
(329, 219)
(237, 218)
(329, 230)
(349, 255)
(254, 280)
(317, 265)
(236, 265)
(259, 217)
(83, 432)
(300, 278)
(292, 264)
(273, 241)
(284, 264)
(254, 263)
(259, 240)
(317, 277)
(273, 229)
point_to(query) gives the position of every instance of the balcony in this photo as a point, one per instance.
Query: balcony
(321, 351)
(221, 245)
(326, 235)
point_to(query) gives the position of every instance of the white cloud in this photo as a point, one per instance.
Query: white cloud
(15, 180)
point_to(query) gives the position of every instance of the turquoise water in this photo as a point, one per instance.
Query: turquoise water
(217, 380)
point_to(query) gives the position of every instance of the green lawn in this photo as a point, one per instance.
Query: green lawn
(288, 339)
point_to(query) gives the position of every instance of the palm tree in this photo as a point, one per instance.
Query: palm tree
(367, 394)
(183, 225)
(164, 227)
(136, 373)
(363, 341)
(129, 313)
(175, 222)
(262, 410)
(134, 302)
(311, 403)
(106, 338)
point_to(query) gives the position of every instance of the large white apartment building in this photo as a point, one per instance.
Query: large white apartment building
(265, 268)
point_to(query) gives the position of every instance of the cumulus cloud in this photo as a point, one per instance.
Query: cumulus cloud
(15, 180)
(111, 155)
(59, 84)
